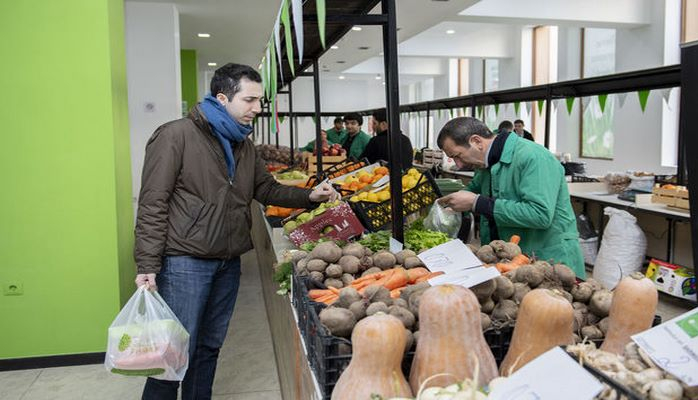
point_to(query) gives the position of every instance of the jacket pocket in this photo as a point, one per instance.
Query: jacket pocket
(185, 211)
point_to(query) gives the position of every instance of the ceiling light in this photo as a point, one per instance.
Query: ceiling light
(341, 77)
(383, 83)
(204, 35)
(212, 64)
(356, 28)
(341, 62)
(378, 77)
(334, 47)
(450, 32)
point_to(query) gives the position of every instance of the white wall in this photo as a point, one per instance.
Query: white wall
(153, 73)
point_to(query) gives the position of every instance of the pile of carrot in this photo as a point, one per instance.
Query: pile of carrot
(395, 280)
(517, 261)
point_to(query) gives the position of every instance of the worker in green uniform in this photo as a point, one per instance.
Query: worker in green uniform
(354, 141)
(335, 133)
(326, 143)
(519, 189)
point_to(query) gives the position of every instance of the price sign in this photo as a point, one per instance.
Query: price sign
(449, 257)
(467, 277)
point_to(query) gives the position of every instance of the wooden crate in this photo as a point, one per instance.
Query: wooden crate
(671, 197)
(327, 161)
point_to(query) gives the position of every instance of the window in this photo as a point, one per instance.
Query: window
(544, 71)
(598, 58)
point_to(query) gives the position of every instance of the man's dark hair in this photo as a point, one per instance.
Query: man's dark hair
(338, 119)
(505, 125)
(461, 129)
(380, 115)
(519, 121)
(227, 78)
(354, 117)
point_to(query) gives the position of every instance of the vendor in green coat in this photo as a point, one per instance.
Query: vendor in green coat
(335, 133)
(354, 140)
(520, 189)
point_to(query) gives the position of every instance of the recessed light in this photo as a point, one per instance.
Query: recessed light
(356, 28)
(204, 35)
(341, 77)
(334, 47)
(378, 77)
(341, 62)
(450, 32)
(364, 47)
(212, 64)
(383, 83)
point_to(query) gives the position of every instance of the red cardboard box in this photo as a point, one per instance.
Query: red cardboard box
(340, 222)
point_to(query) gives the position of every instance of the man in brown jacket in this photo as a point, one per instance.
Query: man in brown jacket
(199, 177)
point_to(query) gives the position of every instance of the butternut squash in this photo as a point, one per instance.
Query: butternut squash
(544, 321)
(451, 339)
(378, 344)
(632, 311)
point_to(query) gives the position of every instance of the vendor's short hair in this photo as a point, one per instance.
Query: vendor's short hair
(227, 78)
(461, 129)
(354, 117)
(519, 121)
(380, 115)
(506, 125)
(338, 119)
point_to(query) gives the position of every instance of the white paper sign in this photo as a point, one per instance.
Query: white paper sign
(552, 376)
(467, 277)
(449, 257)
(395, 245)
(673, 345)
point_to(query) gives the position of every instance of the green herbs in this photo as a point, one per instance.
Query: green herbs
(124, 342)
(416, 238)
(282, 275)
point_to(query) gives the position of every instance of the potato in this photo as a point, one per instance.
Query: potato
(335, 283)
(529, 275)
(316, 265)
(349, 264)
(506, 310)
(413, 262)
(486, 254)
(415, 335)
(402, 255)
(401, 303)
(603, 325)
(600, 303)
(582, 292)
(403, 315)
(317, 276)
(410, 340)
(487, 306)
(334, 271)
(484, 290)
(371, 270)
(359, 308)
(580, 320)
(407, 292)
(520, 290)
(591, 332)
(595, 285)
(376, 307)
(297, 256)
(353, 249)
(376, 293)
(367, 263)
(413, 302)
(567, 295)
(339, 321)
(347, 297)
(384, 260)
(327, 251)
(592, 318)
(485, 321)
(505, 288)
(347, 279)
(546, 269)
(580, 306)
(508, 251)
(497, 245)
(565, 275)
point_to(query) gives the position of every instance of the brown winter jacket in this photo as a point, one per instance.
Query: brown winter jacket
(187, 204)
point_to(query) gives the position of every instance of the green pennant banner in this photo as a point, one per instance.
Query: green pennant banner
(480, 110)
(465, 114)
(540, 106)
(643, 95)
(272, 75)
(439, 112)
(265, 75)
(314, 120)
(281, 119)
(570, 104)
(320, 6)
(287, 34)
(450, 113)
(602, 101)
(517, 106)
(496, 109)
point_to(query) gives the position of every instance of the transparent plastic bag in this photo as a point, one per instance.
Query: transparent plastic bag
(147, 339)
(442, 220)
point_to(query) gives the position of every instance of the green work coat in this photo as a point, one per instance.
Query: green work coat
(334, 135)
(532, 201)
(358, 145)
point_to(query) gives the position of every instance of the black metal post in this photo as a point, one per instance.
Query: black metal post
(392, 96)
(548, 111)
(290, 122)
(278, 128)
(427, 130)
(472, 109)
(269, 124)
(688, 120)
(318, 134)
(264, 121)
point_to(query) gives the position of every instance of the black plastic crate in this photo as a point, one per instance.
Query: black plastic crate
(499, 339)
(376, 216)
(301, 302)
(622, 391)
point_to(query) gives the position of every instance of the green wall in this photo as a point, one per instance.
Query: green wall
(189, 82)
(67, 221)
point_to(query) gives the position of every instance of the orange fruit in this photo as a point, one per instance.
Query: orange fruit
(381, 170)
(365, 179)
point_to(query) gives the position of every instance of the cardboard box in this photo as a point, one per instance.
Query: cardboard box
(337, 223)
(672, 279)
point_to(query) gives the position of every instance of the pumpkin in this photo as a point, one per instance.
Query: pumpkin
(544, 321)
(632, 311)
(378, 343)
(450, 339)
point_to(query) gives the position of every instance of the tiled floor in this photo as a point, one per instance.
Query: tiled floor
(246, 366)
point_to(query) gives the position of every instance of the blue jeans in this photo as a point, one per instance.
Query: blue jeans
(201, 292)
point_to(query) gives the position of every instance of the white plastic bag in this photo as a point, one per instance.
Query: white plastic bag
(443, 220)
(622, 249)
(147, 339)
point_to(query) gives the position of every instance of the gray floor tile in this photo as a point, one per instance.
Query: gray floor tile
(266, 395)
(86, 382)
(13, 384)
(245, 370)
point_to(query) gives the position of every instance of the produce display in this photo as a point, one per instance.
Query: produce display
(331, 150)
(282, 154)
(290, 226)
(291, 176)
(409, 181)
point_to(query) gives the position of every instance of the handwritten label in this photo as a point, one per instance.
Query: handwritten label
(449, 257)
(395, 245)
(673, 345)
(533, 382)
(467, 277)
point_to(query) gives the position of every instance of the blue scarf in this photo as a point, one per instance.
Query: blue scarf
(226, 128)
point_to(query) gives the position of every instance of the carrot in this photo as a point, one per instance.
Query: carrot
(317, 293)
(416, 273)
(521, 259)
(369, 277)
(324, 299)
(330, 300)
(395, 293)
(333, 290)
(427, 277)
(386, 277)
(515, 239)
(362, 285)
(398, 278)
(516, 262)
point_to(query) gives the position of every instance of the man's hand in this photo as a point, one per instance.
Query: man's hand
(324, 192)
(460, 201)
(148, 280)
